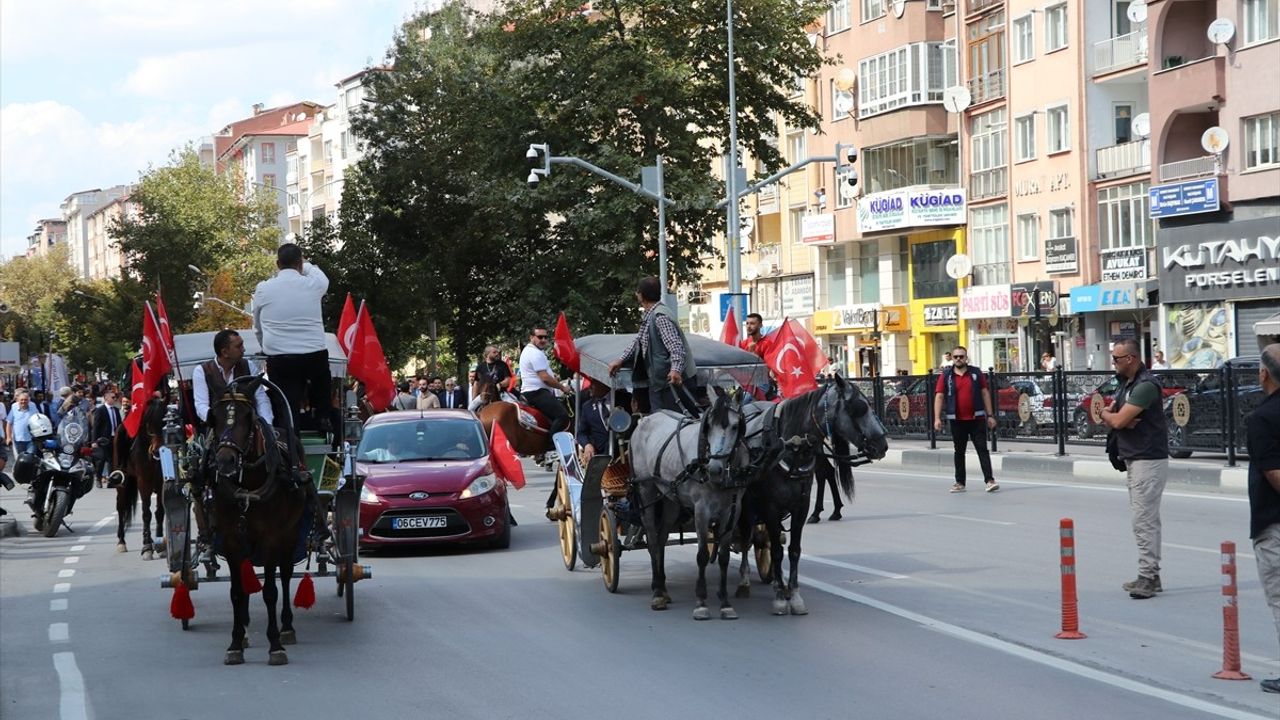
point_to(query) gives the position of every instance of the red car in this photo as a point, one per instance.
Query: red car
(428, 480)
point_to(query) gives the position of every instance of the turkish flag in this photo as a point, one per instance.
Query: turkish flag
(138, 395)
(155, 360)
(729, 333)
(367, 363)
(347, 326)
(566, 351)
(505, 463)
(795, 358)
(166, 332)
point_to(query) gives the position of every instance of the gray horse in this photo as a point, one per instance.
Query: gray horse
(787, 441)
(681, 465)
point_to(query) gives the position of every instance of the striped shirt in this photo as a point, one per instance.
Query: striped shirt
(670, 338)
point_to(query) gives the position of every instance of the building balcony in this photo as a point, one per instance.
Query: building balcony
(1180, 85)
(976, 6)
(1129, 158)
(996, 273)
(1120, 52)
(988, 183)
(1200, 167)
(990, 86)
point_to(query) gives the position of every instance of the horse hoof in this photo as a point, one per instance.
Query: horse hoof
(288, 637)
(728, 613)
(659, 603)
(780, 607)
(233, 657)
(743, 591)
(702, 613)
(120, 548)
(797, 606)
(148, 555)
(278, 657)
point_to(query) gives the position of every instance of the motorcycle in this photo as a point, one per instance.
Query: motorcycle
(61, 474)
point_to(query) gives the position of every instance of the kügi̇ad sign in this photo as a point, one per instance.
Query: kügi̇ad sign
(1220, 261)
(911, 207)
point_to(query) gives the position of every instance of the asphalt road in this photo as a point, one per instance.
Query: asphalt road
(922, 604)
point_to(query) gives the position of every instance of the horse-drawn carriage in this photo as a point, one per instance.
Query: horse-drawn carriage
(191, 465)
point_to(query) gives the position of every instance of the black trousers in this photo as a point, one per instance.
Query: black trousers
(546, 403)
(962, 431)
(302, 376)
(672, 397)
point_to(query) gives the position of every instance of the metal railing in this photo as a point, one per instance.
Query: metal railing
(1120, 52)
(974, 6)
(1206, 166)
(988, 183)
(1124, 159)
(987, 87)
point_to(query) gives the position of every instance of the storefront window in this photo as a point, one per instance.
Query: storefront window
(837, 265)
(869, 271)
(929, 269)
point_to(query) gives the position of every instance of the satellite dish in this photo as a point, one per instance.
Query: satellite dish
(1137, 12)
(844, 102)
(956, 98)
(845, 79)
(1215, 140)
(1221, 31)
(1141, 125)
(958, 266)
(899, 8)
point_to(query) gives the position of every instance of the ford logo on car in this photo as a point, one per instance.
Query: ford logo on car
(417, 496)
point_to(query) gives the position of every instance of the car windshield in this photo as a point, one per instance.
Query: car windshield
(423, 439)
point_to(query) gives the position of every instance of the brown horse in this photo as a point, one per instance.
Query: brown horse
(126, 485)
(524, 441)
(259, 511)
(142, 478)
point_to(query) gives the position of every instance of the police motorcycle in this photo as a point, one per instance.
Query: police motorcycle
(58, 470)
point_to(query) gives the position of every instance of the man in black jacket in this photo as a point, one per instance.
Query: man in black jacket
(106, 418)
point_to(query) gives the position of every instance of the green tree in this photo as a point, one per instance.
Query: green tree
(99, 324)
(31, 288)
(438, 211)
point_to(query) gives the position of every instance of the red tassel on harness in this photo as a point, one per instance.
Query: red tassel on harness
(249, 578)
(305, 597)
(180, 606)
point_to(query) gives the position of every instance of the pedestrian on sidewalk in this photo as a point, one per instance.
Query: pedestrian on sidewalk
(1136, 418)
(1264, 487)
(963, 397)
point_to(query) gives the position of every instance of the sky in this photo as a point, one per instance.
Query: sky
(93, 92)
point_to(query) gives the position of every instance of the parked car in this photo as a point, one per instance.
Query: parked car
(1082, 419)
(909, 391)
(1197, 418)
(428, 480)
(1039, 397)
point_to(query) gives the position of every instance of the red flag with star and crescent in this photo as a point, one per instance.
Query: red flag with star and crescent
(795, 358)
(155, 358)
(566, 351)
(166, 332)
(729, 333)
(138, 396)
(347, 326)
(505, 463)
(368, 364)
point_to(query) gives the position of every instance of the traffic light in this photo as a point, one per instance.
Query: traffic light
(847, 171)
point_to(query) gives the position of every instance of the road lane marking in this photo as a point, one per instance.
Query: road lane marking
(62, 587)
(66, 573)
(970, 519)
(103, 522)
(1073, 486)
(71, 560)
(59, 632)
(72, 704)
(76, 548)
(1211, 551)
(57, 604)
(856, 568)
(1035, 656)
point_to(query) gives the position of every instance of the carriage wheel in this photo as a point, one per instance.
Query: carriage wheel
(612, 550)
(568, 532)
(348, 580)
(764, 557)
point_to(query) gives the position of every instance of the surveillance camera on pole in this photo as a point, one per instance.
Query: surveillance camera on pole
(199, 300)
(532, 156)
(847, 170)
(533, 179)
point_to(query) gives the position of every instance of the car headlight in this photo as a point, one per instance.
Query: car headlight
(367, 495)
(479, 486)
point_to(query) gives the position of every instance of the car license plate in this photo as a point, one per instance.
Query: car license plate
(419, 522)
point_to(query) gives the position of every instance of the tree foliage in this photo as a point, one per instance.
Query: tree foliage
(31, 288)
(437, 222)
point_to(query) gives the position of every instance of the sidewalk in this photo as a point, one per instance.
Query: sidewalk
(1032, 460)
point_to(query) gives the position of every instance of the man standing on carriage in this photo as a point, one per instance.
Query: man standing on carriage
(290, 329)
(661, 353)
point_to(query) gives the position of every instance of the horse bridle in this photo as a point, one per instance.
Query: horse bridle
(230, 400)
(704, 445)
(825, 448)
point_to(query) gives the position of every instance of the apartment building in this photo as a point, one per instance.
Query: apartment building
(76, 209)
(48, 232)
(106, 261)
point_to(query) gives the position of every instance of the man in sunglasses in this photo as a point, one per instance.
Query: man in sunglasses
(537, 382)
(1136, 417)
(963, 397)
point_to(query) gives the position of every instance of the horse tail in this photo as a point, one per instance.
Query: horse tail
(843, 471)
(127, 499)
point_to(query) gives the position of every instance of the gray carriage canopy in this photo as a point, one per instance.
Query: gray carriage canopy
(195, 348)
(718, 363)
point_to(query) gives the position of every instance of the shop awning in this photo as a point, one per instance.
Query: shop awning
(1270, 326)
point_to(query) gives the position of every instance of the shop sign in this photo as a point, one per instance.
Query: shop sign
(1108, 296)
(985, 301)
(1022, 295)
(1219, 261)
(910, 207)
(797, 295)
(936, 315)
(856, 316)
(1184, 198)
(1060, 256)
(1126, 264)
(895, 318)
(818, 229)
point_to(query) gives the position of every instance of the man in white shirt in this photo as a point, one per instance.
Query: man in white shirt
(290, 330)
(211, 378)
(5, 480)
(537, 383)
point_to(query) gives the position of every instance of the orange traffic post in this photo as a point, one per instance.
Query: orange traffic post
(1070, 612)
(1230, 618)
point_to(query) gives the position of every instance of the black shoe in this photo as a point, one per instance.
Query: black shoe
(814, 518)
(6, 481)
(1271, 686)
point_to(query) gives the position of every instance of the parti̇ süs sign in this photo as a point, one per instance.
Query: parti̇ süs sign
(1220, 261)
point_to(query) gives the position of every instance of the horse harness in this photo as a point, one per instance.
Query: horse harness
(268, 453)
(696, 468)
(796, 455)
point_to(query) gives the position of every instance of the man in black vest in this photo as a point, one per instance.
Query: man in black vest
(1142, 441)
(211, 377)
(1264, 487)
(964, 397)
(662, 350)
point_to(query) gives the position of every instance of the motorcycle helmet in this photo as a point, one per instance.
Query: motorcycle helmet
(40, 426)
(25, 468)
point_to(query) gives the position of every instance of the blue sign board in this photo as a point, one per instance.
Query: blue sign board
(739, 301)
(1107, 296)
(1184, 198)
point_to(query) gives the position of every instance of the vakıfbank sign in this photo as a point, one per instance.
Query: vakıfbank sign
(1221, 261)
(911, 207)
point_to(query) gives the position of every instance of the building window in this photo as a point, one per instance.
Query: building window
(1059, 129)
(268, 153)
(838, 17)
(1024, 39)
(1123, 220)
(837, 265)
(925, 161)
(795, 146)
(292, 163)
(1261, 20)
(836, 113)
(1055, 27)
(868, 289)
(328, 151)
(1060, 224)
(1028, 237)
(989, 244)
(269, 180)
(1262, 141)
(987, 57)
(929, 269)
(1024, 137)
(872, 9)
(909, 75)
(344, 144)
(989, 139)
(1122, 117)
(841, 190)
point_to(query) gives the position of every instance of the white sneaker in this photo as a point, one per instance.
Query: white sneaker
(957, 488)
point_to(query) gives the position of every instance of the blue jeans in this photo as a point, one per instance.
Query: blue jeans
(22, 446)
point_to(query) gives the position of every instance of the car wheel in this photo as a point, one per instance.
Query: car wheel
(502, 541)
(1176, 441)
(1084, 426)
